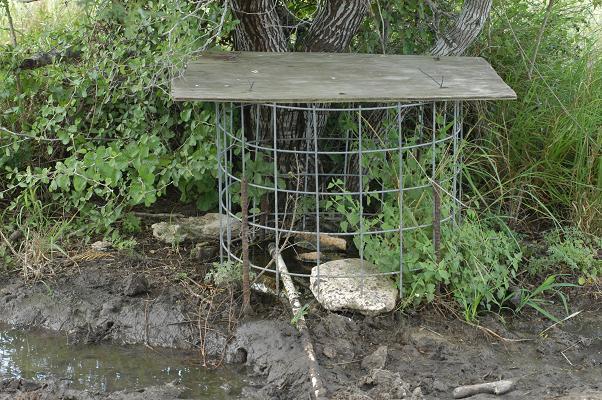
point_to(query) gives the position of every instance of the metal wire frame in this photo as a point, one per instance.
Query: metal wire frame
(242, 135)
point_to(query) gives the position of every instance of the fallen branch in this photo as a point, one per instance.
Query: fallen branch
(39, 60)
(498, 387)
(293, 297)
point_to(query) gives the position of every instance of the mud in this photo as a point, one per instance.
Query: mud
(427, 354)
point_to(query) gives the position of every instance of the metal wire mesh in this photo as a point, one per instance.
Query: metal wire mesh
(362, 173)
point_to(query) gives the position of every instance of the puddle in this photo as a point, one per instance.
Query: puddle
(108, 368)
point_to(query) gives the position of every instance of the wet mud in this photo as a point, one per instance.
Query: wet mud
(424, 355)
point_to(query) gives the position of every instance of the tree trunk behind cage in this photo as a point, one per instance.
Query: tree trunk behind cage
(265, 25)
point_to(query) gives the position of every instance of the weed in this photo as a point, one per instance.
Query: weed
(303, 311)
(225, 274)
(131, 224)
(569, 249)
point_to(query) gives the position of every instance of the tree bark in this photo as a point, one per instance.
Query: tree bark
(463, 32)
(259, 28)
(335, 24)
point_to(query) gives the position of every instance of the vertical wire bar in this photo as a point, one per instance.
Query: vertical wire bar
(276, 216)
(230, 166)
(361, 192)
(226, 178)
(257, 143)
(455, 166)
(317, 195)
(218, 144)
(306, 171)
(346, 162)
(399, 134)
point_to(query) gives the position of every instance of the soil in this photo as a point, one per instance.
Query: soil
(147, 299)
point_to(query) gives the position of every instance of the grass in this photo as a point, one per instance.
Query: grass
(30, 239)
(538, 158)
(36, 16)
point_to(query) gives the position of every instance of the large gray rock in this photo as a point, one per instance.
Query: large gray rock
(379, 293)
(195, 229)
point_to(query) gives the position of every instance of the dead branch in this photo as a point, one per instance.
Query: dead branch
(319, 390)
(40, 60)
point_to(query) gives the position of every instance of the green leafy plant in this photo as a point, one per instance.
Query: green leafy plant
(131, 223)
(569, 249)
(225, 274)
(303, 311)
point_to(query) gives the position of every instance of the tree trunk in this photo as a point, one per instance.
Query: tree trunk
(463, 32)
(262, 28)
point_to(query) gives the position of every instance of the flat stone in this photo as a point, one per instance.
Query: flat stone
(312, 257)
(136, 285)
(379, 294)
(376, 360)
(195, 229)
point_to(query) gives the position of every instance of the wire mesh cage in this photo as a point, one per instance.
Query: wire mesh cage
(355, 177)
(325, 156)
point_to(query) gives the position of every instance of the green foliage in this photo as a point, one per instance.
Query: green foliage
(105, 134)
(226, 274)
(536, 300)
(303, 311)
(131, 224)
(569, 249)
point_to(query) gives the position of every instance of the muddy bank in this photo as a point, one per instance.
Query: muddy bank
(21, 389)
(424, 355)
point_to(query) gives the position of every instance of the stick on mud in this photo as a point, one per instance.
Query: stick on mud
(318, 389)
(497, 387)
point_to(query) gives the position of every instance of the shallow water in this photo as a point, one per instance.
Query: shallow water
(107, 368)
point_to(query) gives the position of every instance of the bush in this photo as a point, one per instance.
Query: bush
(569, 250)
(100, 133)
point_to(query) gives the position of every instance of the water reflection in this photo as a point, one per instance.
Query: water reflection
(107, 368)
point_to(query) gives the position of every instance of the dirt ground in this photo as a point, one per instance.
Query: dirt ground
(147, 299)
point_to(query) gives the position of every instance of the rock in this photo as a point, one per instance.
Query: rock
(440, 386)
(385, 385)
(312, 257)
(379, 292)
(199, 229)
(376, 360)
(205, 251)
(329, 351)
(417, 394)
(327, 242)
(136, 285)
(101, 245)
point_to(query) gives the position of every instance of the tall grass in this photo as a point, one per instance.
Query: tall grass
(37, 16)
(538, 158)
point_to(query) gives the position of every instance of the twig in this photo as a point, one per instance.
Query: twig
(433, 79)
(11, 25)
(158, 215)
(319, 391)
(498, 387)
(540, 36)
(560, 322)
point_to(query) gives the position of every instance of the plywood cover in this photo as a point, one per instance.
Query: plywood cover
(324, 77)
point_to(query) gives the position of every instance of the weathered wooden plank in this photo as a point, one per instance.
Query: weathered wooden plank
(325, 77)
